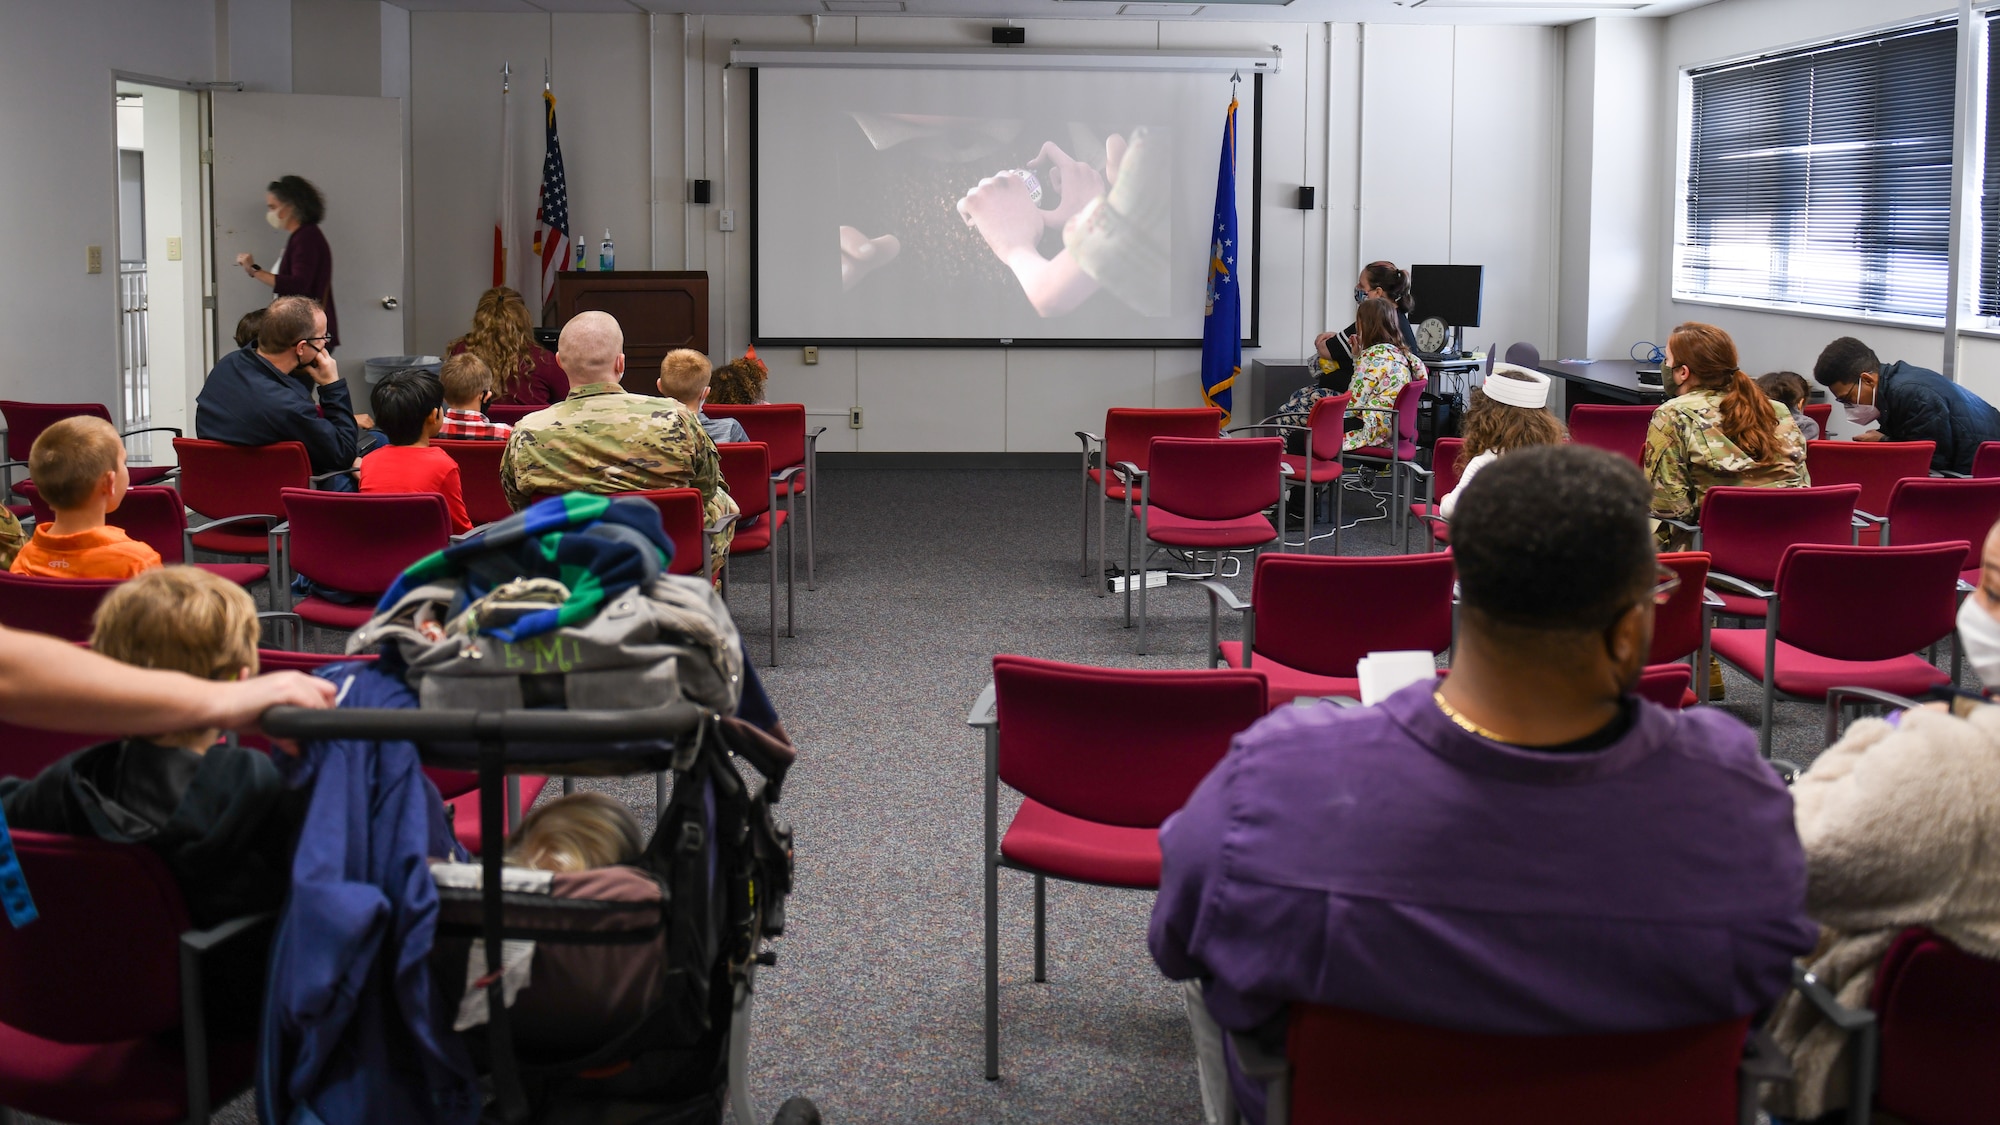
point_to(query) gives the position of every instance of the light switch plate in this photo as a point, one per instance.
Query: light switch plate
(173, 248)
(93, 259)
(728, 220)
(812, 355)
(853, 417)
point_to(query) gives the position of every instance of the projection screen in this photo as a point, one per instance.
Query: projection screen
(928, 207)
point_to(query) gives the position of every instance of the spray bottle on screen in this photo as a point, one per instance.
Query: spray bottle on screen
(606, 255)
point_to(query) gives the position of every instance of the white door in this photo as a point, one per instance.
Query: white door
(352, 150)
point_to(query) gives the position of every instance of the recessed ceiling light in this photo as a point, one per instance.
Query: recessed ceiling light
(851, 6)
(1167, 9)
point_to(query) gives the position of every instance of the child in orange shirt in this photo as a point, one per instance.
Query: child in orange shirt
(409, 409)
(79, 466)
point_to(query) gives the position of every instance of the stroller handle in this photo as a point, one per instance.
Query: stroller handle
(545, 726)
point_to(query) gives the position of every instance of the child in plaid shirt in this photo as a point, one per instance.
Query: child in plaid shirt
(467, 386)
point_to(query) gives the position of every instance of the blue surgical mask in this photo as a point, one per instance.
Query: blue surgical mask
(1360, 295)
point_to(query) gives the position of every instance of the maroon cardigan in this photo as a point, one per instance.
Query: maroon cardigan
(307, 271)
(540, 382)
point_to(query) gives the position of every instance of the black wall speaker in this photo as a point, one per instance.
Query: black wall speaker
(699, 191)
(1306, 198)
(1015, 36)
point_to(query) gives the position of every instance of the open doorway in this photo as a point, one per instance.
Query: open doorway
(162, 344)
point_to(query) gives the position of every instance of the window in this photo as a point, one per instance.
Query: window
(1989, 188)
(1821, 178)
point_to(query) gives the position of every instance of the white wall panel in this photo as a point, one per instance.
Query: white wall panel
(1052, 393)
(932, 400)
(1406, 143)
(600, 74)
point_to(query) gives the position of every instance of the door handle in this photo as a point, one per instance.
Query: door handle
(389, 303)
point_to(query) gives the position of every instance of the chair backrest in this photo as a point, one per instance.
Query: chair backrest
(1986, 459)
(479, 477)
(27, 420)
(1665, 684)
(1328, 422)
(746, 469)
(1911, 594)
(780, 425)
(1215, 478)
(1746, 530)
(1677, 624)
(1620, 429)
(1523, 354)
(220, 480)
(1444, 463)
(153, 515)
(1128, 431)
(1938, 1009)
(1322, 613)
(1116, 745)
(1356, 1069)
(102, 963)
(683, 516)
(1821, 412)
(43, 513)
(60, 607)
(1874, 465)
(495, 412)
(27, 751)
(360, 542)
(1943, 510)
(1409, 407)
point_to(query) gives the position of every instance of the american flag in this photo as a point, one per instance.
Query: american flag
(551, 210)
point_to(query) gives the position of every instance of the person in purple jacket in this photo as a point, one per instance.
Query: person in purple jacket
(305, 269)
(1524, 847)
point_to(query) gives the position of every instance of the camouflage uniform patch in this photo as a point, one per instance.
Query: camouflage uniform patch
(1687, 454)
(603, 439)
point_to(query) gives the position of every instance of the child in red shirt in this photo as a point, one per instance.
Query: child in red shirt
(408, 407)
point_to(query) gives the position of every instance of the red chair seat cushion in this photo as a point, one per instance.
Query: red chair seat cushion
(231, 543)
(1112, 488)
(333, 615)
(464, 807)
(1085, 851)
(1803, 674)
(1286, 683)
(138, 1080)
(242, 574)
(1739, 605)
(150, 474)
(1321, 469)
(757, 536)
(1178, 531)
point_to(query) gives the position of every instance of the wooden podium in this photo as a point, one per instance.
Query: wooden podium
(659, 310)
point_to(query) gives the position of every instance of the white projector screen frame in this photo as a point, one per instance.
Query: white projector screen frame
(1200, 149)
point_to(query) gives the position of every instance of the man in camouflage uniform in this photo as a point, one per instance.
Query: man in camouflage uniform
(1687, 453)
(603, 439)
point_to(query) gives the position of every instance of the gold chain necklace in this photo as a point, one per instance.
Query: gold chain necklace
(1464, 723)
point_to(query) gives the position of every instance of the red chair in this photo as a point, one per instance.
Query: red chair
(1815, 643)
(479, 478)
(1310, 618)
(1352, 1068)
(1746, 532)
(1874, 465)
(26, 421)
(746, 469)
(1128, 433)
(59, 607)
(1937, 1010)
(1401, 452)
(1100, 756)
(1944, 510)
(1821, 412)
(1325, 426)
(681, 514)
(101, 1013)
(233, 485)
(511, 415)
(358, 542)
(782, 426)
(1438, 480)
(1202, 494)
(1986, 459)
(1679, 657)
(1620, 429)
(27, 751)
(155, 516)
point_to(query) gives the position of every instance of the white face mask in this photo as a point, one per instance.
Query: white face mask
(271, 217)
(1862, 415)
(1979, 639)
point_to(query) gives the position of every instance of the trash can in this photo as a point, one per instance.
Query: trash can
(373, 370)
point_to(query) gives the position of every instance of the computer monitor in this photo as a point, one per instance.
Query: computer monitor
(1450, 293)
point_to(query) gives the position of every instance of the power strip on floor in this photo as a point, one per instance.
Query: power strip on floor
(1154, 580)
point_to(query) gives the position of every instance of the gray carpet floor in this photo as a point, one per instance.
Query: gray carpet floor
(874, 1007)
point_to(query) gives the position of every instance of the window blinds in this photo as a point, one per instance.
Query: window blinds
(1822, 177)
(1989, 191)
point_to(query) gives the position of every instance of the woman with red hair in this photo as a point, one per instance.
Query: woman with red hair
(1719, 429)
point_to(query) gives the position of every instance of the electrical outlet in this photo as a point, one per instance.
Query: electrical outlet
(174, 248)
(93, 259)
(727, 220)
(812, 355)
(853, 417)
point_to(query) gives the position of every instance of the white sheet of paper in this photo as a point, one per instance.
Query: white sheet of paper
(1382, 674)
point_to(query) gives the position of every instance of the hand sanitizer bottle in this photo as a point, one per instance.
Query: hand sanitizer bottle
(606, 255)
(579, 255)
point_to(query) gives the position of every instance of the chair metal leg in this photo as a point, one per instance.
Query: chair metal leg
(742, 1105)
(1142, 597)
(1339, 491)
(1041, 929)
(991, 859)
(792, 562)
(1770, 679)
(771, 552)
(569, 786)
(1097, 578)
(1128, 563)
(1083, 561)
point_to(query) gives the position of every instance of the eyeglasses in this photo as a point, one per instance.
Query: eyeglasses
(326, 339)
(1669, 581)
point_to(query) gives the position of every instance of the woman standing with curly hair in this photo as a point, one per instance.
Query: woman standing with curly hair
(524, 372)
(305, 269)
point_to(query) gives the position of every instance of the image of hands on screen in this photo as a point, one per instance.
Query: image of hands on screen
(952, 225)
